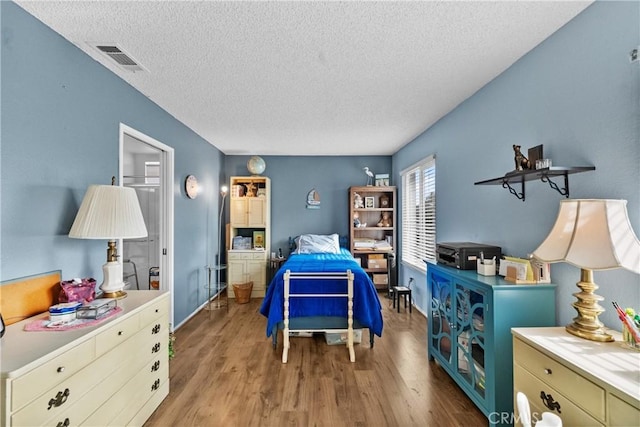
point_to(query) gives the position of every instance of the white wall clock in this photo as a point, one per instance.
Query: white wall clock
(191, 187)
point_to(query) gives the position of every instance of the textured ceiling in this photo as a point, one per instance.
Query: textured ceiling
(309, 78)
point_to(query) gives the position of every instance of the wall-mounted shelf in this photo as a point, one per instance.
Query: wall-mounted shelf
(512, 179)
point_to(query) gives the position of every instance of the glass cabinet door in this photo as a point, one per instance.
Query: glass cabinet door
(469, 336)
(441, 319)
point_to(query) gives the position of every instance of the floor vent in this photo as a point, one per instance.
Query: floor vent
(118, 55)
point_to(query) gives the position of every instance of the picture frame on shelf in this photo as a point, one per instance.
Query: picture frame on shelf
(258, 240)
(369, 202)
(382, 180)
(384, 201)
(535, 154)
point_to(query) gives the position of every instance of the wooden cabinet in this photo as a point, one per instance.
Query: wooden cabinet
(249, 232)
(248, 212)
(116, 373)
(584, 382)
(469, 331)
(247, 266)
(372, 236)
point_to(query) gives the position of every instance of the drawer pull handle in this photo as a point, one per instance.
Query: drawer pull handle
(155, 366)
(549, 402)
(120, 333)
(548, 371)
(155, 329)
(155, 385)
(64, 423)
(155, 348)
(157, 311)
(60, 398)
(60, 369)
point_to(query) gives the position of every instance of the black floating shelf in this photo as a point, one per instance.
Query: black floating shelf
(512, 179)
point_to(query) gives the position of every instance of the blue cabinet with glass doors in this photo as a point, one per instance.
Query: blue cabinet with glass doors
(469, 331)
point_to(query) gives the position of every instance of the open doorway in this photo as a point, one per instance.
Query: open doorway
(146, 165)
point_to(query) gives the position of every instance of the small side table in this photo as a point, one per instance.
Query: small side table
(217, 287)
(274, 266)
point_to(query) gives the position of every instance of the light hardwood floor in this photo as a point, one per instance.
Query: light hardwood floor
(226, 373)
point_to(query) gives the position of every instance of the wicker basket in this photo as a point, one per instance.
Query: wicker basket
(242, 292)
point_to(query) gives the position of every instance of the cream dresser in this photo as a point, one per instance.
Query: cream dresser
(112, 374)
(584, 382)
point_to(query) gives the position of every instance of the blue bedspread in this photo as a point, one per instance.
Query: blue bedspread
(366, 304)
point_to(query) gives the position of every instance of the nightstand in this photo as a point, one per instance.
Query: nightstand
(274, 266)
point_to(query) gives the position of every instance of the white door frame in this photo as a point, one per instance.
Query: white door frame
(166, 211)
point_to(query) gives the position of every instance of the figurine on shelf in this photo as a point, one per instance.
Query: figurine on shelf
(356, 219)
(385, 220)
(358, 203)
(522, 163)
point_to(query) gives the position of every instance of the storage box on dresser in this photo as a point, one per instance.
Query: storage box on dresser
(592, 383)
(116, 373)
(469, 331)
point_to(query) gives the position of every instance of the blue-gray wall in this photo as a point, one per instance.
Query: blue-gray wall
(292, 177)
(577, 94)
(61, 112)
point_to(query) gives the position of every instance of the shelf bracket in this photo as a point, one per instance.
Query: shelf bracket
(505, 184)
(563, 191)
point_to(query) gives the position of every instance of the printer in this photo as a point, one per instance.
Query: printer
(463, 255)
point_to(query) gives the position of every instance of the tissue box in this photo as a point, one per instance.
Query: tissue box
(77, 290)
(488, 268)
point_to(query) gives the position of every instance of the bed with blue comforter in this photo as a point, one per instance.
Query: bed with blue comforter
(322, 313)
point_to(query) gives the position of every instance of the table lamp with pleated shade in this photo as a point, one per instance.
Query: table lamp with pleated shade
(110, 212)
(592, 234)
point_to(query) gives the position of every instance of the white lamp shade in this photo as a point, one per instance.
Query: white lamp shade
(594, 234)
(109, 212)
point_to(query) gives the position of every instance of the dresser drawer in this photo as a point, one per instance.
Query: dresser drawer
(259, 255)
(117, 334)
(240, 255)
(561, 378)
(159, 309)
(86, 389)
(136, 392)
(50, 373)
(156, 399)
(532, 386)
(622, 414)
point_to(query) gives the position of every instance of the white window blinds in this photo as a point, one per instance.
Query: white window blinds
(419, 213)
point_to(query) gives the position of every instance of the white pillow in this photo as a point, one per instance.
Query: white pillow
(318, 243)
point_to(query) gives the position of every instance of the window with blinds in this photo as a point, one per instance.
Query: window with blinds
(419, 213)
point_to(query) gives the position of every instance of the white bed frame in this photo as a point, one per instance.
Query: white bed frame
(348, 276)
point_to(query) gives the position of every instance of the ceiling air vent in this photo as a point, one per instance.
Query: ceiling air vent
(115, 53)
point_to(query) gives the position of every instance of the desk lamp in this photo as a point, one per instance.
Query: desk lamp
(110, 212)
(591, 234)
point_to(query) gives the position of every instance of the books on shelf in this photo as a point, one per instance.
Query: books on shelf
(382, 245)
(363, 243)
(379, 245)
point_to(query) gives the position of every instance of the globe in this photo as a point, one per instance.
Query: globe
(256, 165)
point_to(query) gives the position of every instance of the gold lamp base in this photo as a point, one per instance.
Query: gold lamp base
(116, 294)
(586, 325)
